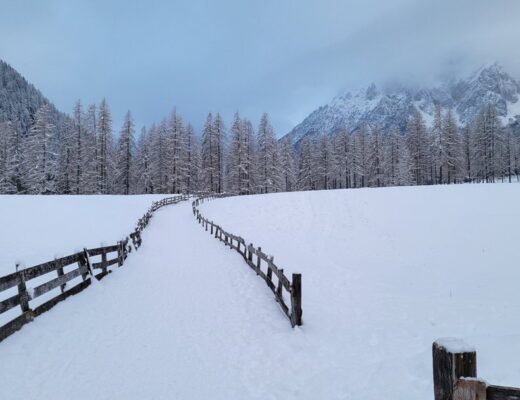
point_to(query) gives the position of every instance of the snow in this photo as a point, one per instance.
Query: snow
(455, 345)
(513, 110)
(386, 272)
(36, 229)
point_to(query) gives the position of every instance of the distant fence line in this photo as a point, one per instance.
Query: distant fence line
(293, 311)
(455, 374)
(84, 268)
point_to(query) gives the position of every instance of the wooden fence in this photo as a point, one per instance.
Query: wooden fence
(31, 283)
(256, 259)
(455, 375)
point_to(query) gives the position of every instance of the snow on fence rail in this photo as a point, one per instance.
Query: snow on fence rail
(293, 288)
(82, 269)
(455, 374)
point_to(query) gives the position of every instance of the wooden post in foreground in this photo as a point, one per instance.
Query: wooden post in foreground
(452, 359)
(296, 300)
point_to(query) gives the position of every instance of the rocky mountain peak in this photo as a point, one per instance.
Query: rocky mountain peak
(393, 106)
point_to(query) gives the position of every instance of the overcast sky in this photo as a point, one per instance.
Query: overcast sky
(283, 57)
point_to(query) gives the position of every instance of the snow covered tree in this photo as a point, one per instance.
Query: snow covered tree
(324, 163)
(287, 165)
(40, 159)
(345, 158)
(66, 164)
(305, 172)
(77, 147)
(177, 169)
(268, 173)
(159, 157)
(143, 164)
(392, 150)
(487, 136)
(361, 156)
(8, 158)
(219, 136)
(375, 157)
(209, 158)
(193, 161)
(124, 167)
(104, 142)
(250, 163)
(436, 150)
(451, 149)
(508, 153)
(236, 163)
(89, 163)
(416, 142)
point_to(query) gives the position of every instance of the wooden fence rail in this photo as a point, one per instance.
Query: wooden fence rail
(78, 266)
(455, 374)
(256, 259)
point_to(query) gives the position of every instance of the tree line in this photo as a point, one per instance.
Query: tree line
(81, 154)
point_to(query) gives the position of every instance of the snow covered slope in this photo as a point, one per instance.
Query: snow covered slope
(36, 229)
(392, 106)
(385, 273)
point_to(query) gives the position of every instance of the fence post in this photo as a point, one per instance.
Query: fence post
(452, 359)
(119, 254)
(258, 260)
(22, 292)
(296, 300)
(104, 266)
(250, 253)
(87, 261)
(81, 263)
(60, 273)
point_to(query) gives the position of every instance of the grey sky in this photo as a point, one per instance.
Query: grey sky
(282, 57)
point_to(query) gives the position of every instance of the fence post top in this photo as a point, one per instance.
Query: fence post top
(454, 345)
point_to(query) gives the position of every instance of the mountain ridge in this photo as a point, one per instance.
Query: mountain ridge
(20, 99)
(391, 107)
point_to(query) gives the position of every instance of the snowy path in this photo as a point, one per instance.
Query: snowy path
(183, 319)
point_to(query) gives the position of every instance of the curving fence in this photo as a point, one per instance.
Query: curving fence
(288, 293)
(71, 274)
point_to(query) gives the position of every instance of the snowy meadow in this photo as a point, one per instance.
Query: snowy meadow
(385, 272)
(36, 229)
(388, 271)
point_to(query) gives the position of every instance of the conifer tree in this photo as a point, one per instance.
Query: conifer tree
(40, 157)
(8, 158)
(104, 148)
(267, 157)
(124, 168)
(416, 142)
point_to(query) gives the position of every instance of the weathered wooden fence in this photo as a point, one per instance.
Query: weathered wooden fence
(31, 283)
(455, 375)
(256, 259)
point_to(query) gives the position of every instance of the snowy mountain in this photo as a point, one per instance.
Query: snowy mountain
(19, 100)
(392, 106)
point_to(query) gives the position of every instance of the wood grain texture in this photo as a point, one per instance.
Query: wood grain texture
(502, 393)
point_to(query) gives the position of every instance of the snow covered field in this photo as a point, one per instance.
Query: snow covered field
(385, 273)
(36, 229)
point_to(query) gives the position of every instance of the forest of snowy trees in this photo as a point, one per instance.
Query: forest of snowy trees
(81, 154)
